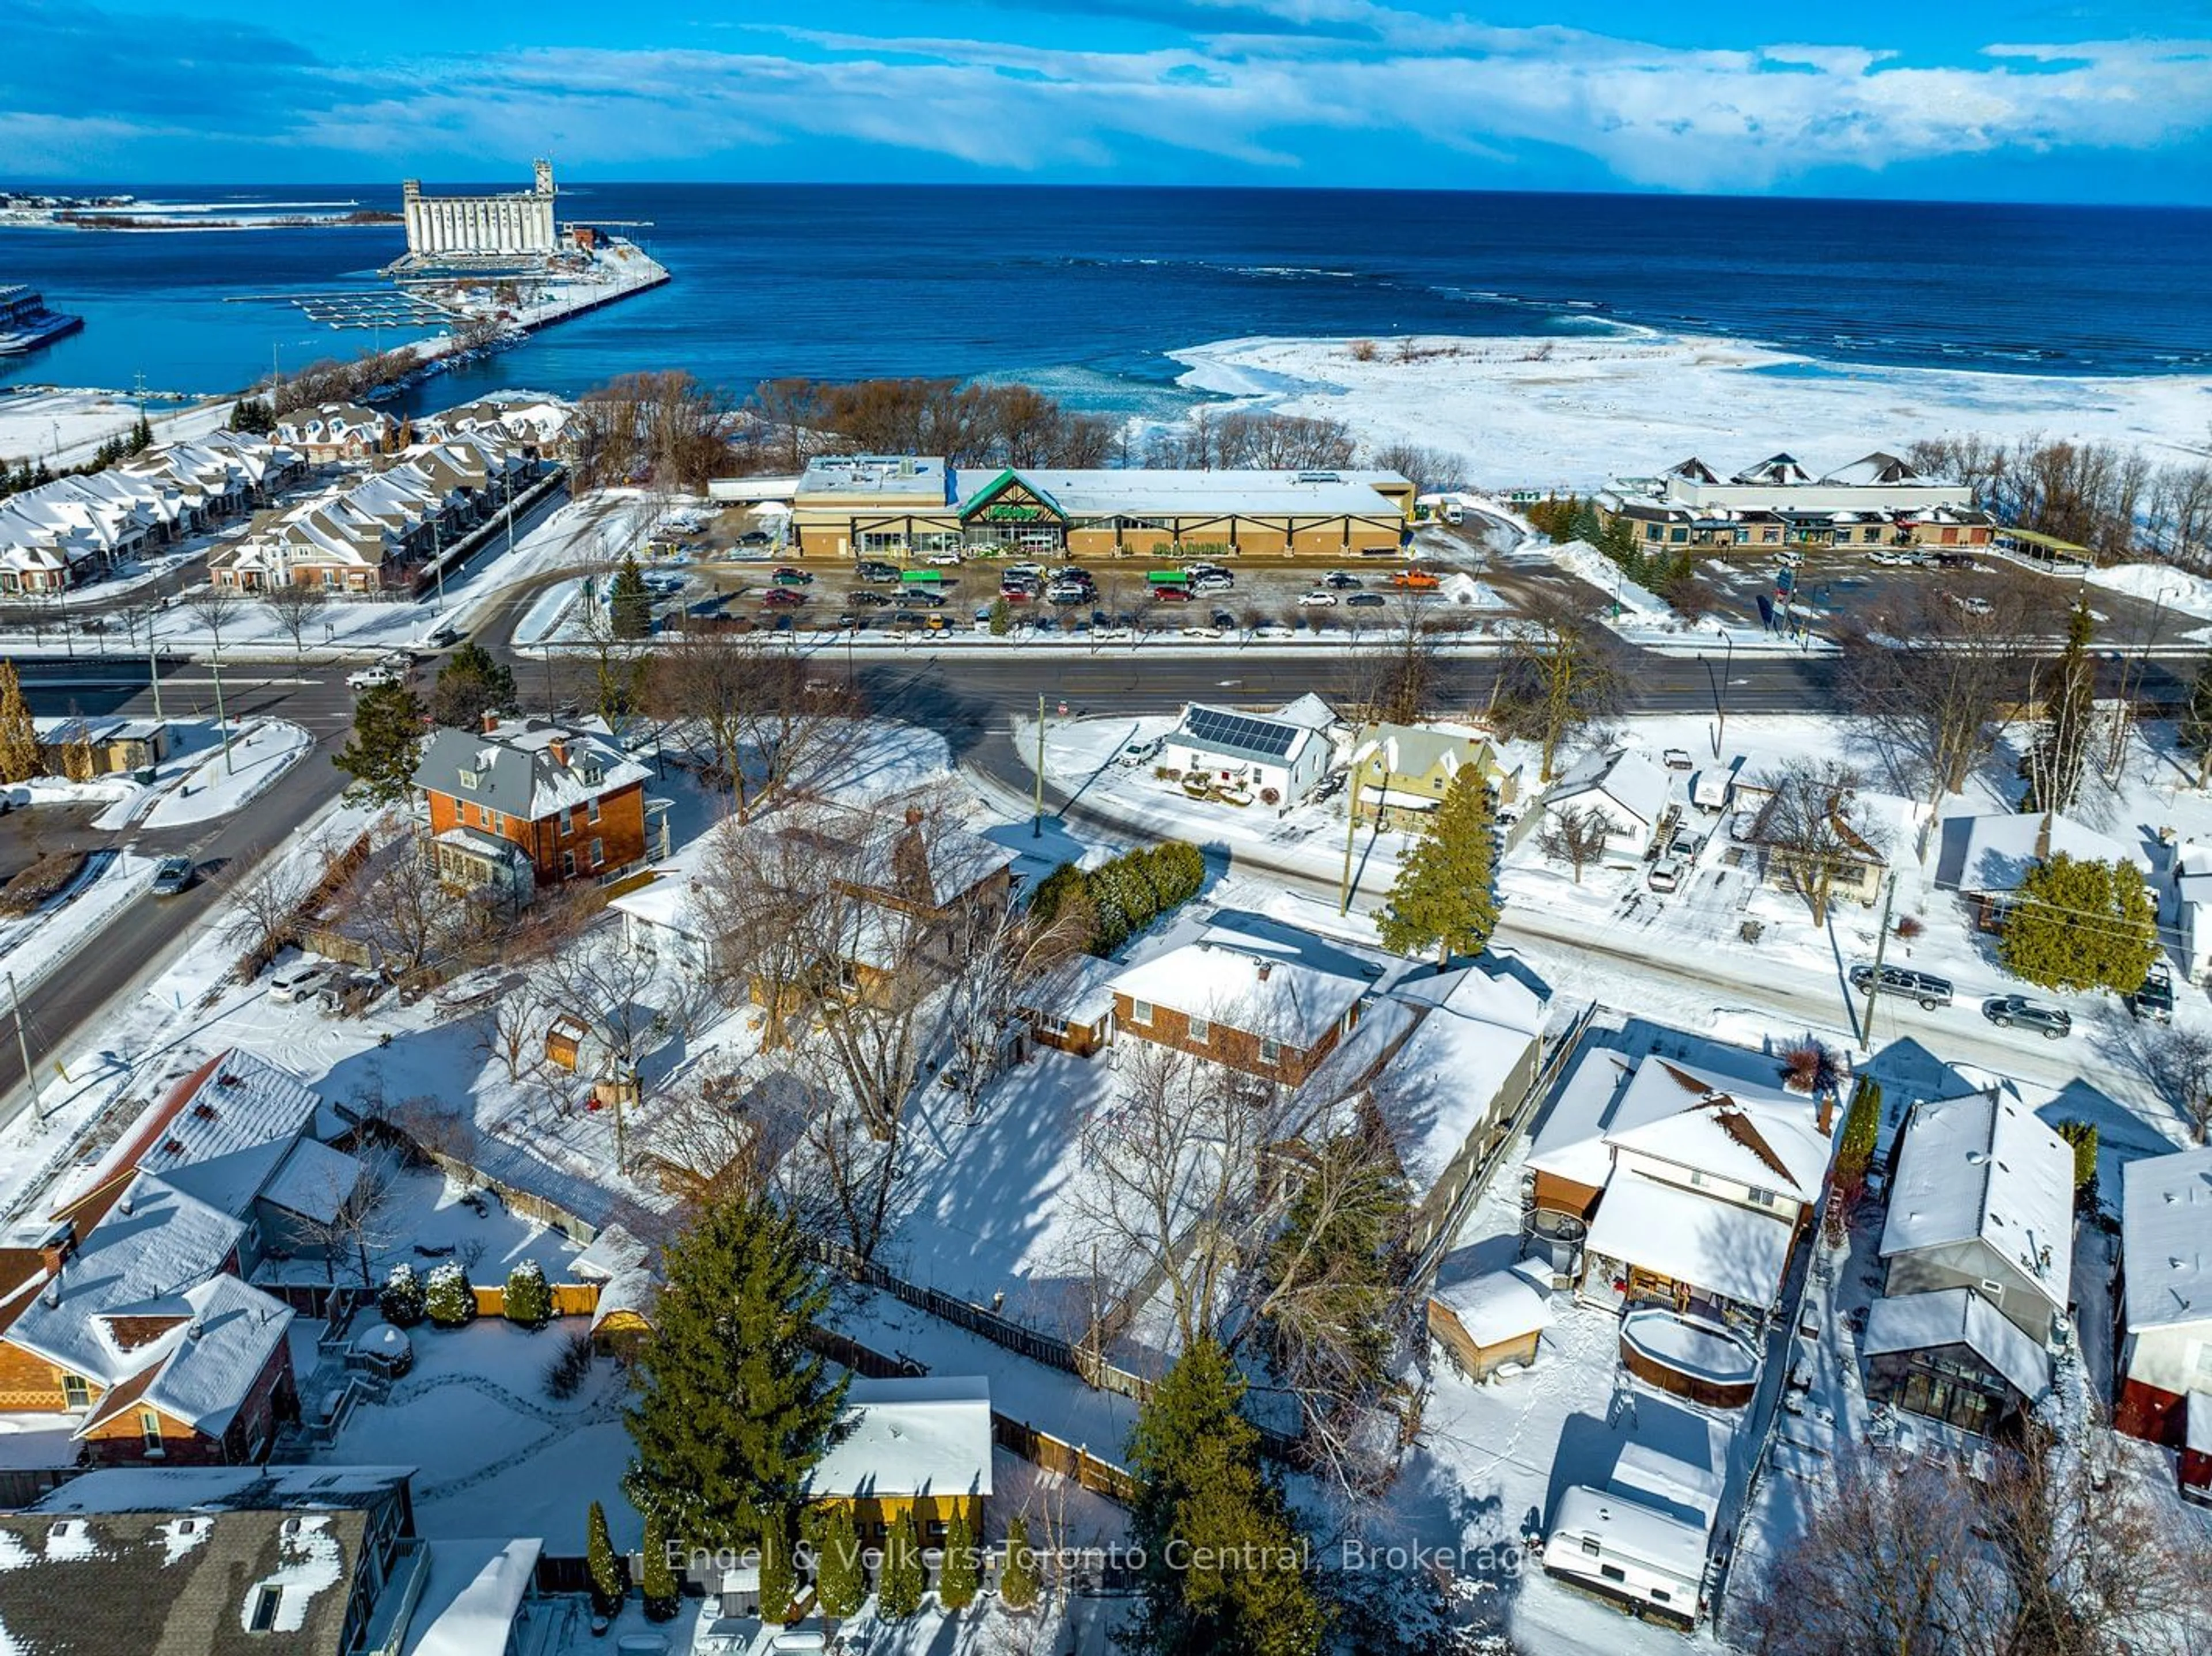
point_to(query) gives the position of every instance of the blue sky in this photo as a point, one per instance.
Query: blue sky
(1969, 100)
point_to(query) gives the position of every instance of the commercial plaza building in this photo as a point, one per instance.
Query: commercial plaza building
(897, 505)
(1876, 500)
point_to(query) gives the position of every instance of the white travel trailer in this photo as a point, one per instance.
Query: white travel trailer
(1610, 1545)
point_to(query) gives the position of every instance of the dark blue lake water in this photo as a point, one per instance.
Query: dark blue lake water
(1083, 290)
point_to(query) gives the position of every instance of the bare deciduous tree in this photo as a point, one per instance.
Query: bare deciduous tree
(294, 605)
(353, 1216)
(1815, 829)
(1576, 835)
(1559, 674)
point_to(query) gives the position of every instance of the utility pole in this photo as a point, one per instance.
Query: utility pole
(1874, 983)
(1036, 822)
(438, 562)
(1350, 836)
(23, 1046)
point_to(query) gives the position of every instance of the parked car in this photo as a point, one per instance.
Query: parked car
(1666, 874)
(1170, 594)
(1316, 600)
(1196, 630)
(1017, 591)
(925, 596)
(2153, 1000)
(1417, 579)
(300, 980)
(1365, 601)
(870, 600)
(1930, 991)
(1272, 629)
(784, 575)
(1678, 759)
(1143, 750)
(2006, 1010)
(369, 678)
(1026, 571)
(171, 876)
(944, 559)
(1068, 591)
(756, 537)
(1214, 581)
(906, 618)
(1340, 580)
(870, 570)
(781, 597)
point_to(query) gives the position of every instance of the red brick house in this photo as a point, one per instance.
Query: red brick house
(1274, 1017)
(527, 804)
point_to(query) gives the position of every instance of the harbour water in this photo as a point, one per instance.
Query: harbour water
(1085, 290)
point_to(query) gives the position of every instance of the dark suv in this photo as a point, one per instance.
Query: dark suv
(2153, 997)
(1930, 991)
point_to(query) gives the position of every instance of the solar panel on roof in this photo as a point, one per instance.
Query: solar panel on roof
(1236, 730)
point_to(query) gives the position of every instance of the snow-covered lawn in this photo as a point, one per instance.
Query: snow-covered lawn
(261, 750)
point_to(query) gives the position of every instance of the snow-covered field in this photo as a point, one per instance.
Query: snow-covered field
(1569, 413)
(40, 422)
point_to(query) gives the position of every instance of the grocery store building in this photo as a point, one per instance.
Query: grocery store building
(894, 506)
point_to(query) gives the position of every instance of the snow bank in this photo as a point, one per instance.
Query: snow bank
(2153, 582)
(261, 754)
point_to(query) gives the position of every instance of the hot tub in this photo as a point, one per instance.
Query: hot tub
(1693, 1359)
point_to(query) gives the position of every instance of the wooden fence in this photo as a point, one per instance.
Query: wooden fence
(569, 1298)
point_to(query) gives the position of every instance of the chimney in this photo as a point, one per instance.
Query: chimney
(558, 747)
(490, 723)
(1827, 1116)
(1266, 967)
(60, 1244)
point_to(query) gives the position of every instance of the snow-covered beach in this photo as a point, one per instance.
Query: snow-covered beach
(1570, 412)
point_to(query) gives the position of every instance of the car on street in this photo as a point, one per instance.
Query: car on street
(1316, 600)
(299, 981)
(784, 575)
(2008, 1011)
(444, 638)
(1365, 601)
(1340, 580)
(369, 678)
(781, 597)
(1930, 991)
(171, 876)
(2153, 1000)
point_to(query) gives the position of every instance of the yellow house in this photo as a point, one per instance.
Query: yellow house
(922, 1445)
(1404, 771)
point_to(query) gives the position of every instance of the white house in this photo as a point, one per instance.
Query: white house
(1626, 788)
(2166, 1267)
(2191, 920)
(1282, 754)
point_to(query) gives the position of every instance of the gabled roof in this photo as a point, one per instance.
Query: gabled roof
(2166, 1239)
(1444, 1080)
(223, 1129)
(1999, 850)
(1278, 999)
(1768, 1146)
(314, 1180)
(1418, 749)
(1777, 468)
(1496, 1307)
(1985, 1167)
(1628, 779)
(515, 771)
(1874, 468)
(1958, 1316)
(1694, 469)
(1010, 478)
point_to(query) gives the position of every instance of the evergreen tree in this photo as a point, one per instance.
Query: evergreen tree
(2196, 724)
(1002, 618)
(142, 435)
(1020, 1582)
(629, 601)
(958, 1577)
(2055, 761)
(19, 737)
(734, 1407)
(400, 1300)
(387, 740)
(1855, 1151)
(1197, 1462)
(2081, 924)
(905, 1578)
(470, 684)
(449, 1299)
(657, 1581)
(1445, 895)
(779, 1575)
(840, 1579)
(610, 1578)
(529, 1300)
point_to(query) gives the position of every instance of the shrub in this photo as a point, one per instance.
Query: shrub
(1363, 350)
(565, 1374)
(2082, 1135)
(898, 1594)
(400, 1299)
(1019, 1583)
(778, 1580)
(610, 1578)
(1002, 618)
(449, 1299)
(1270, 797)
(1809, 1066)
(656, 1580)
(956, 1581)
(529, 1301)
(1854, 1155)
(1910, 927)
(841, 1581)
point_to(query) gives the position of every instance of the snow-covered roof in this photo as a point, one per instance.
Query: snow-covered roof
(526, 768)
(1986, 1167)
(1443, 1082)
(1417, 749)
(223, 1488)
(910, 1437)
(1874, 468)
(1285, 1000)
(2000, 850)
(1724, 1249)
(1768, 1146)
(1958, 1316)
(1250, 738)
(1308, 711)
(223, 1129)
(211, 1363)
(1628, 779)
(1079, 990)
(1628, 1528)
(313, 1181)
(2166, 1238)
(480, 1618)
(1594, 1109)
(1496, 1307)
